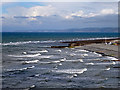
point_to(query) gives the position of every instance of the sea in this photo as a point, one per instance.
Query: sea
(29, 62)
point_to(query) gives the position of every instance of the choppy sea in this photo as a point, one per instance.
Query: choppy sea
(29, 62)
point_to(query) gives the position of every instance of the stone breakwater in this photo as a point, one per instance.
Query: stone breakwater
(85, 42)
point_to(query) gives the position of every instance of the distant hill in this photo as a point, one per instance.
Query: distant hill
(102, 30)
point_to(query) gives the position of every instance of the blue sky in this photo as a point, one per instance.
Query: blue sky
(51, 16)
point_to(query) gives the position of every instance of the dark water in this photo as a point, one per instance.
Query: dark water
(15, 37)
(29, 62)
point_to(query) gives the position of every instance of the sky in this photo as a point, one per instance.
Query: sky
(57, 16)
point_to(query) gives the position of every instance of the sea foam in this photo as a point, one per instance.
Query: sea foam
(112, 58)
(23, 56)
(45, 56)
(71, 71)
(79, 60)
(33, 61)
(42, 51)
(25, 42)
(21, 69)
(81, 51)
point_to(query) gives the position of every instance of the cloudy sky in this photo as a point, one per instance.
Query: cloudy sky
(56, 16)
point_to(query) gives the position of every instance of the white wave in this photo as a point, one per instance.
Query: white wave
(45, 62)
(110, 63)
(60, 64)
(32, 86)
(25, 55)
(71, 71)
(97, 54)
(19, 43)
(81, 51)
(21, 69)
(31, 67)
(50, 62)
(58, 50)
(84, 54)
(43, 51)
(25, 42)
(24, 52)
(107, 69)
(34, 61)
(16, 69)
(55, 61)
(45, 56)
(74, 75)
(111, 58)
(89, 63)
(73, 54)
(37, 75)
(96, 59)
(62, 60)
(49, 41)
(79, 60)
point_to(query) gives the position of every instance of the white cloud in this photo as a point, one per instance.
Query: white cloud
(79, 14)
(65, 10)
(46, 11)
(108, 11)
(33, 11)
(91, 14)
(41, 11)
(51, 16)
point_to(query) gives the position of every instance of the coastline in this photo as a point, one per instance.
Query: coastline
(105, 50)
(98, 46)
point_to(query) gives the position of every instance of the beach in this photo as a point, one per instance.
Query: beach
(110, 50)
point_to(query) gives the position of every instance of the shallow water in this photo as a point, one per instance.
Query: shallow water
(35, 66)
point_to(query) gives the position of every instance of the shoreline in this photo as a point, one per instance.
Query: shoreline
(97, 46)
(103, 49)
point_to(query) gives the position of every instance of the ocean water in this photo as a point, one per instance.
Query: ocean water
(29, 62)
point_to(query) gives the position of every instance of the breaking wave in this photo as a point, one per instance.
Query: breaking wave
(25, 42)
(49, 41)
(42, 51)
(21, 69)
(34, 55)
(33, 61)
(71, 71)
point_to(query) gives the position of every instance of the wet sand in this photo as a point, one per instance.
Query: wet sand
(110, 50)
